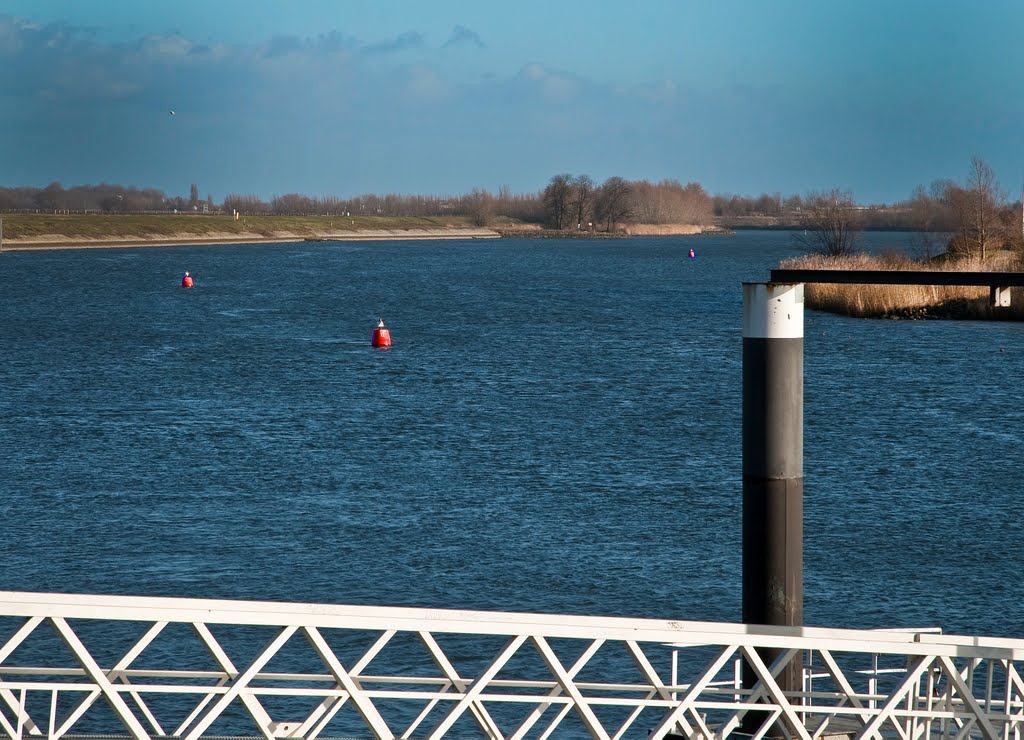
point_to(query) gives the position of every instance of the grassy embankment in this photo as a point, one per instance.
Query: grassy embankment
(909, 301)
(97, 229)
(155, 226)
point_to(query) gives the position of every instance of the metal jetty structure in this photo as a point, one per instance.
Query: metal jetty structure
(318, 667)
(92, 666)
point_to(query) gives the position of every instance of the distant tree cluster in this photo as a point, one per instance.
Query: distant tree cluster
(481, 206)
(968, 218)
(973, 218)
(574, 202)
(669, 202)
(982, 220)
(731, 207)
(104, 198)
(974, 212)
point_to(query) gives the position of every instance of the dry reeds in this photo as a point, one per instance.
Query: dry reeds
(908, 301)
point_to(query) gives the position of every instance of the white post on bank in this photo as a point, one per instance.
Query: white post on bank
(773, 394)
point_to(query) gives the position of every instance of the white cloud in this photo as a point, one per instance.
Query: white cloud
(555, 87)
(533, 71)
(166, 46)
(560, 89)
(426, 83)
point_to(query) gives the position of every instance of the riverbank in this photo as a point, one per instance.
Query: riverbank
(98, 230)
(56, 241)
(531, 231)
(914, 302)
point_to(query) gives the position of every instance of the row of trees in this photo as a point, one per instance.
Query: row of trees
(568, 202)
(974, 214)
(479, 202)
(103, 197)
(575, 202)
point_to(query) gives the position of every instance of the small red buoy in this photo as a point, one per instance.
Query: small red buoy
(692, 254)
(186, 281)
(381, 336)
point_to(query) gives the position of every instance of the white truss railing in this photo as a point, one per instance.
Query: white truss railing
(77, 665)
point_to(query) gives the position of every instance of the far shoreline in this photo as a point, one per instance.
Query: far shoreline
(60, 242)
(25, 245)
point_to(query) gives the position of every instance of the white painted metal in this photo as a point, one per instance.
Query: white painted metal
(683, 677)
(999, 296)
(773, 310)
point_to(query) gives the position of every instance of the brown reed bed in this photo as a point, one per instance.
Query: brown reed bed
(909, 301)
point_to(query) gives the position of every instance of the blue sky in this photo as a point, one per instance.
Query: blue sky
(342, 98)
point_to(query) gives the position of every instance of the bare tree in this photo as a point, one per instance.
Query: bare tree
(556, 201)
(670, 202)
(614, 202)
(479, 205)
(193, 198)
(976, 207)
(50, 198)
(923, 218)
(245, 204)
(582, 200)
(831, 224)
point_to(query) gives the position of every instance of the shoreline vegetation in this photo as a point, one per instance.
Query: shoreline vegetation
(916, 302)
(89, 230)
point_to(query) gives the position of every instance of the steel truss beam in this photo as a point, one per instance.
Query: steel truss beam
(530, 675)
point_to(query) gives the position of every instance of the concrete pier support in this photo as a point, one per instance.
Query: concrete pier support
(773, 395)
(999, 297)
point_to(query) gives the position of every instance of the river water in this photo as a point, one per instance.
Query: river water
(556, 429)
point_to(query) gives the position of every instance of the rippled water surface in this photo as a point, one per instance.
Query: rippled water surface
(557, 428)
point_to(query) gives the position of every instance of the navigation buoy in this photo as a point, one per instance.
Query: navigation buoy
(381, 336)
(186, 281)
(692, 254)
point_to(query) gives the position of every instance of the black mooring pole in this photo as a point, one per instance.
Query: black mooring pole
(773, 397)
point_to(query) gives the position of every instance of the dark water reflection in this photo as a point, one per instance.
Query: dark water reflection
(556, 429)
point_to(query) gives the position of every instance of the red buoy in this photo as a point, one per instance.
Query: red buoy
(381, 336)
(692, 254)
(186, 281)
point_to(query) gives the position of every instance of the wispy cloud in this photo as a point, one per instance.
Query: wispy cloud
(166, 46)
(462, 36)
(390, 114)
(553, 86)
(402, 42)
(323, 45)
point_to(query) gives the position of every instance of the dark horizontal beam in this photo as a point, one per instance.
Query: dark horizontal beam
(900, 277)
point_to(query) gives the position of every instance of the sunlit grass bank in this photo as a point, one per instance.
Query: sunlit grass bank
(41, 226)
(908, 301)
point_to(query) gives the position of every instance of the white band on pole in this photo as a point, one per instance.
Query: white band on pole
(773, 310)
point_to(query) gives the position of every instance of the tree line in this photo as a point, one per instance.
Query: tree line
(567, 202)
(975, 212)
(971, 217)
(575, 202)
(103, 198)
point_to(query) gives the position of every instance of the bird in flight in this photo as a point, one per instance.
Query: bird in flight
(172, 113)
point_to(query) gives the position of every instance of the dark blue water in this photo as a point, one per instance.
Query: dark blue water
(556, 429)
